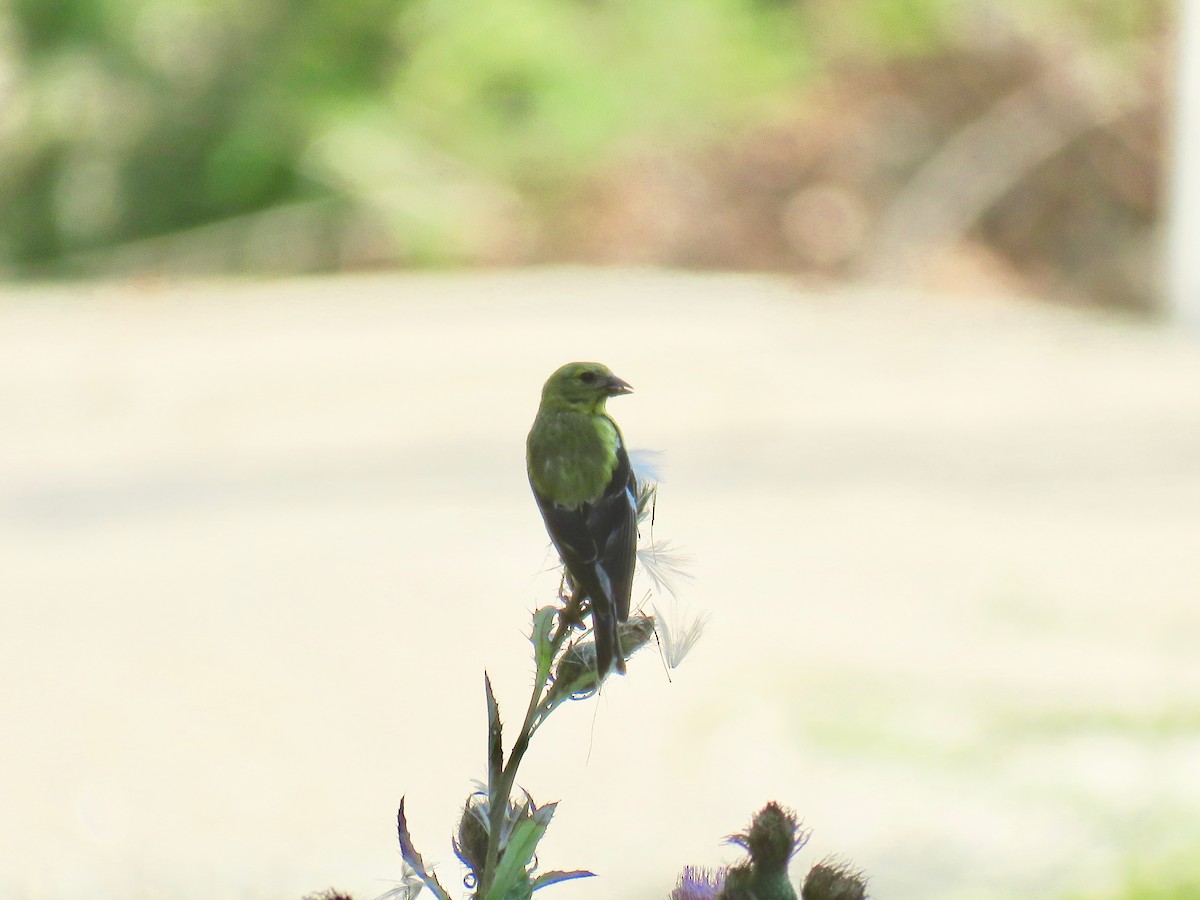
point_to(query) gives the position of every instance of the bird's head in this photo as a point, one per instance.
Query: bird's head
(582, 386)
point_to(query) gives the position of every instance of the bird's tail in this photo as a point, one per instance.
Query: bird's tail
(608, 642)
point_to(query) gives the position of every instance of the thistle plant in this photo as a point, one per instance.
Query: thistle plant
(595, 509)
(775, 836)
(500, 826)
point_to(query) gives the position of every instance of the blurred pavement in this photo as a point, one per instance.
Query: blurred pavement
(258, 542)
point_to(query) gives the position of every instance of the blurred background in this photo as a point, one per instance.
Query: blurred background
(1021, 144)
(281, 284)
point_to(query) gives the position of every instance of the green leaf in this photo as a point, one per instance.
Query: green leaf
(512, 877)
(495, 755)
(413, 858)
(548, 878)
(543, 643)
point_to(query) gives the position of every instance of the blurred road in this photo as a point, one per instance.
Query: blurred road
(258, 542)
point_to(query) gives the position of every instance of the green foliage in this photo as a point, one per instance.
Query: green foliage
(567, 80)
(138, 117)
(127, 119)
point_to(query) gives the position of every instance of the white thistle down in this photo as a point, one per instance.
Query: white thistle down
(678, 633)
(647, 465)
(663, 563)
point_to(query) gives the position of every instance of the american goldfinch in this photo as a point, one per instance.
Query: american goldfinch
(581, 478)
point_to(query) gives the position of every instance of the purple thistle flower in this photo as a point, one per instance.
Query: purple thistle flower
(699, 883)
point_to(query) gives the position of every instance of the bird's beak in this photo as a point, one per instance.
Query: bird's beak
(617, 386)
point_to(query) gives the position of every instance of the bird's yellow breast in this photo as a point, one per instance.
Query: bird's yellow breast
(571, 457)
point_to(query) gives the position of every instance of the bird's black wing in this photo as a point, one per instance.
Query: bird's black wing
(613, 521)
(598, 545)
(598, 541)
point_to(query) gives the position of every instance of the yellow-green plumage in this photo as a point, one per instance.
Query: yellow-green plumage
(571, 456)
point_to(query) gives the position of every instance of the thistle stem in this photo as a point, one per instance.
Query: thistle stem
(499, 794)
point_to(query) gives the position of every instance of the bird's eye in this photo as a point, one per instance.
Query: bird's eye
(587, 377)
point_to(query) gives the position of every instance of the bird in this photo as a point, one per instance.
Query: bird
(587, 492)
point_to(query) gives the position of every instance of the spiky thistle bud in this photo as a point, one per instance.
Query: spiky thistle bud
(635, 633)
(833, 879)
(772, 839)
(575, 671)
(470, 844)
(575, 674)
